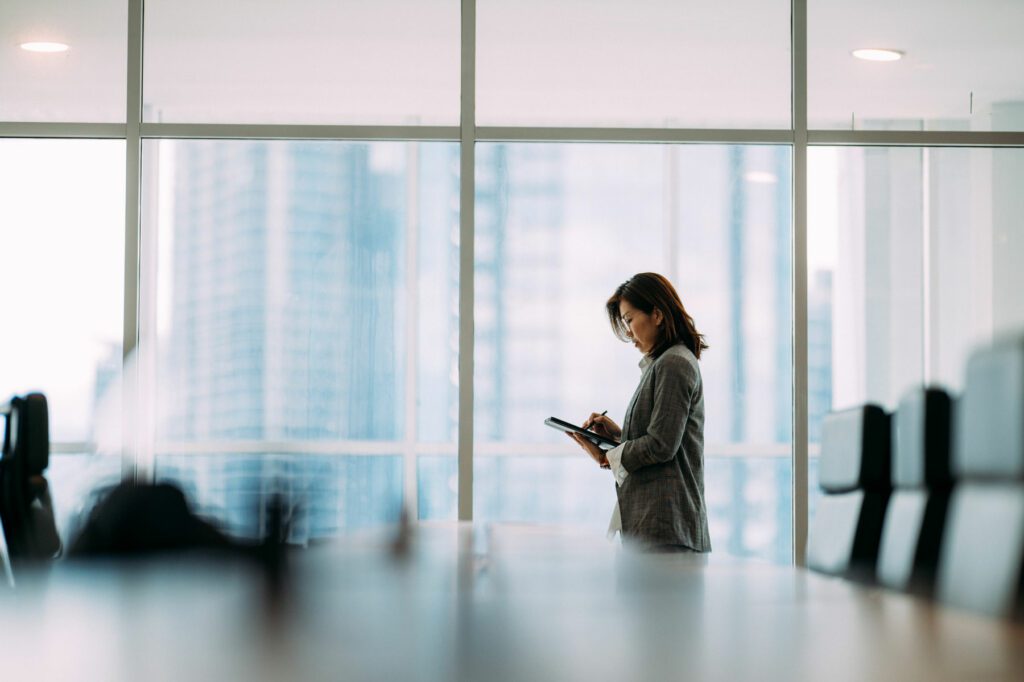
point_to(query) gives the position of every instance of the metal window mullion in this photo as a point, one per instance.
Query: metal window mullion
(926, 255)
(62, 130)
(132, 222)
(275, 131)
(385, 448)
(245, 131)
(633, 135)
(467, 189)
(915, 138)
(799, 245)
(411, 387)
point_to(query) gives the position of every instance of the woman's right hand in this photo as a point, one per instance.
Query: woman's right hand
(603, 426)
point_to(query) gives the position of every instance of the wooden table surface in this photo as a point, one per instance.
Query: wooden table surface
(487, 602)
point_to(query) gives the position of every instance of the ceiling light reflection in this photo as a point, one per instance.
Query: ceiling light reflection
(44, 46)
(876, 54)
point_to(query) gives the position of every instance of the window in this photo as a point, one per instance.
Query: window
(386, 62)
(563, 226)
(913, 262)
(640, 63)
(302, 336)
(61, 268)
(85, 83)
(958, 69)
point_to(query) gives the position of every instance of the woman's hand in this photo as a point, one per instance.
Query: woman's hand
(603, 426)
(596, 453)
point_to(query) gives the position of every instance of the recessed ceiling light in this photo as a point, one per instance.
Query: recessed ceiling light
(876, 54)
(760, 177)
(39, 46)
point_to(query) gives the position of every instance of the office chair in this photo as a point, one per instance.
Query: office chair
(854, 475)
(916, 516)
(26, 512)
(981, 566)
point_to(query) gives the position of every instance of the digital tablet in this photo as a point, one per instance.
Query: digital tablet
(598, 440)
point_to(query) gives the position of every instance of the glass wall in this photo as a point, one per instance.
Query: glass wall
(300, 323)
(913, 258)
(63, 61)
(386, 62)
(956, 65)
(642, 63)
(558, 227)
(61, 270)
(298, 301)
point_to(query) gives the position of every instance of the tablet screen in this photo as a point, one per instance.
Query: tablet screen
(597, 439)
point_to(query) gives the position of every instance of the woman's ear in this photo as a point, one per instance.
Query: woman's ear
(657, 317)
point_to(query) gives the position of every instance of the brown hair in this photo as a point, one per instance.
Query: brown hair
(648, 291)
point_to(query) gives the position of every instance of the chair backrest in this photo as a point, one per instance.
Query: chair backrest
(854, 475)
(921, 438)
(982, 561)
(855, 450)
(26, 513)
(914, 522)
(990, 415)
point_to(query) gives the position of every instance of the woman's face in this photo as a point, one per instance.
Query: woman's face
(641, 328)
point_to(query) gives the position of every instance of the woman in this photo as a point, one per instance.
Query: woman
(659, 462)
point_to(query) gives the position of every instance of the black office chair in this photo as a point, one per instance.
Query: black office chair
(981, 566)
(26, 512)
(914, 522)
(854, 475)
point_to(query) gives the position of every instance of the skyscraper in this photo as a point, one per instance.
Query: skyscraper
(277, 249)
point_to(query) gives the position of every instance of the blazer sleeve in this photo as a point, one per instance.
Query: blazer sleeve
(675, 381)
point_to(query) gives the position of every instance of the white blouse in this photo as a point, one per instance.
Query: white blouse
(618, 471)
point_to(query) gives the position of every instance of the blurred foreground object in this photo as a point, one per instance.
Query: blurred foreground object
(137, 519)
(914, 523)
(855, 477)
(26, 510)
(502, 603)
(982, 562)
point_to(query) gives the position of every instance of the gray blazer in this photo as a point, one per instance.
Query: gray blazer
(661, 502)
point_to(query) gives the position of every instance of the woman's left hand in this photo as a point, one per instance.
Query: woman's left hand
(596, 453)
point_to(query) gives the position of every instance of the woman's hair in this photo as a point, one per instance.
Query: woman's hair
(648, 291)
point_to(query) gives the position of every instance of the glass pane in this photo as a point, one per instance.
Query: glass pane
(501, 485)
(559, 226)
(84, 83)
(62, 268)
(76, 483)
(307, 61)
(913, 261)
(960, 67)
(865, 269)
(760, 525)
(438, 487)
(634, 63)
(299, 293)
(322, 496)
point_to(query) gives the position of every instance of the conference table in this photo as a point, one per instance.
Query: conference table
(484, 602)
